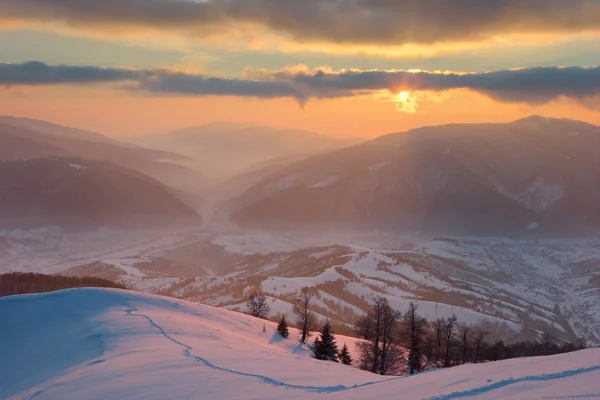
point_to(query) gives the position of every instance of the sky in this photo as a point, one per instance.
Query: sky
(338, 67)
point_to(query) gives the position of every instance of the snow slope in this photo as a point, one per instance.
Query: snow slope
(105, 344)
(540, 284)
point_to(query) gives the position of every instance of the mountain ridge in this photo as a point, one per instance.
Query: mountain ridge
(443, 178)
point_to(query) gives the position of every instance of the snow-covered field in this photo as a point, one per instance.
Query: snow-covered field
(541, 285)
(111, 344)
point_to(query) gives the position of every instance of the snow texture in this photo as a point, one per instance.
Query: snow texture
(107, 344)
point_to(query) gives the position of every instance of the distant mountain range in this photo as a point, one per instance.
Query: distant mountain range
(22, 138)
(533, 175)
(80, 194)
(227, 149)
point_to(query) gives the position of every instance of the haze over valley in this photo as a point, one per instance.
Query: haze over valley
(413, 215)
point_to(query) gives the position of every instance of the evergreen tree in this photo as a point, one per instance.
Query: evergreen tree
(282, 327)
(325, 348)
(344, 355)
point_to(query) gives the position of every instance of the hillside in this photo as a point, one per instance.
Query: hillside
(78, 194)
(25, 283)
(515, 287)
(104, 344)
(51, 129)
(532, 176)
(22, 139)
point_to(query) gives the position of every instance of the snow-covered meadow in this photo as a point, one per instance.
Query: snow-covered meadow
(107, 344)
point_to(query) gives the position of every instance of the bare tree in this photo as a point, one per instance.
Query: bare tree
(257, 305)
(390, 353)
(305, 319)
(449, 331)
(437, 329)
(413, 332)
(464, 333)
(498, 350)
(478, 341)
(547, 343)
(379, 353)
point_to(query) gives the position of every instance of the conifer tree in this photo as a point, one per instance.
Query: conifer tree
(325, 347)
(282, 327)
(344, 355)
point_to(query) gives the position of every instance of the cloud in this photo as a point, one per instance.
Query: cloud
(186, 84)
(529, 85)
(374, 22)
(152, 81)
(37, 73)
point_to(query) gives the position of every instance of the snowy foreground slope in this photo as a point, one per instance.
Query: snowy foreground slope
(109, 344)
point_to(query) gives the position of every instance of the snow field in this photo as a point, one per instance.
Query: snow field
(105, 344)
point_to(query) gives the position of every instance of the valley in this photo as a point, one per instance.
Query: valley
(419, 215)
(515, 286)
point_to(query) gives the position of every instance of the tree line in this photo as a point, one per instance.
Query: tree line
(324, 346)
(396, 343)
(25, 283)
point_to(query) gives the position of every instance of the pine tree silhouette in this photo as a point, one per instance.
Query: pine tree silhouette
(325, 347)
(344, 355)
(282, 327)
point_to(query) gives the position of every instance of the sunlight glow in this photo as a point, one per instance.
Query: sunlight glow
(406, 103)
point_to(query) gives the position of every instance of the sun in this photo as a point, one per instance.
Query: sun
(406, 103)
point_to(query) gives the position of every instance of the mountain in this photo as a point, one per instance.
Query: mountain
(238, 184)
(82, 194)
(532, 175)
(228, 149)
(51, 129)
(22, 138)
(106, 344)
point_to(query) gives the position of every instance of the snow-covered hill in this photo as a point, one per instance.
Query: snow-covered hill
(107, 344)
(530, 285)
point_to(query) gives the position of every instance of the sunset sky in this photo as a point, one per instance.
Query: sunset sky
(339, 67)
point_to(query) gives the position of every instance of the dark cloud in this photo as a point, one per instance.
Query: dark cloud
(390, 22)
(37, 73)
(153, 81)
(177, 83)
(529, 85)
